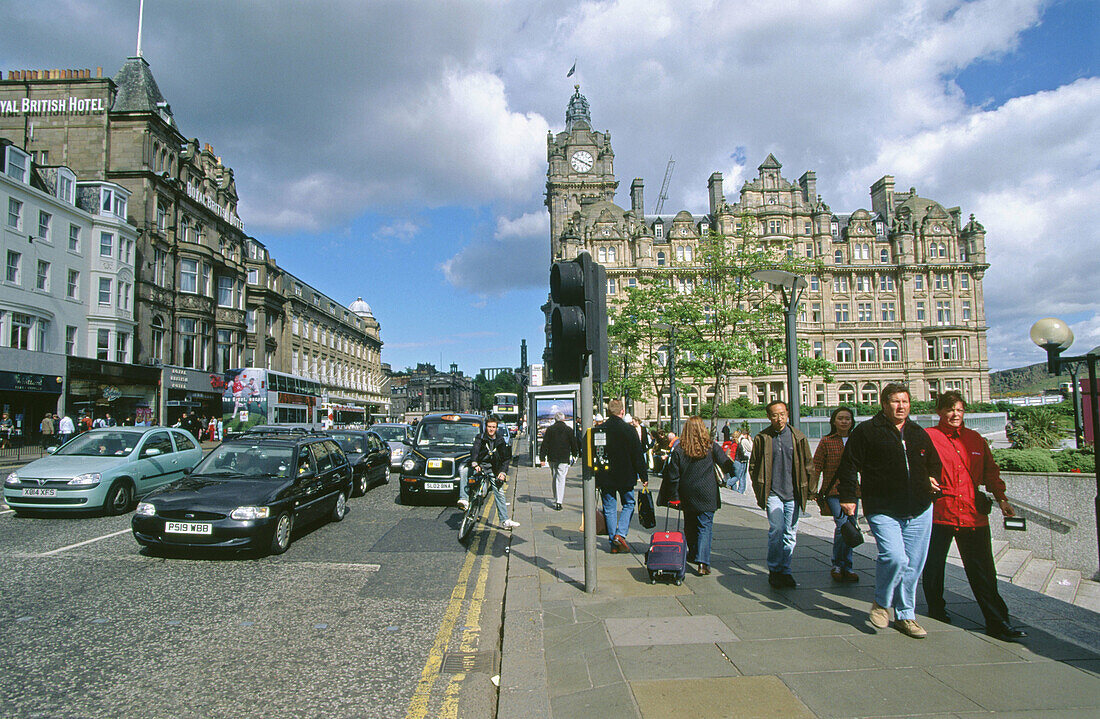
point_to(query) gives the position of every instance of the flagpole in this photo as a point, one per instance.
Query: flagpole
(141, 13)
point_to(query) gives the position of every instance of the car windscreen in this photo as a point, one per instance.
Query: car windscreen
(349, 442)
(446, 435)
(101, 444)
(390, 434)
(247, 460)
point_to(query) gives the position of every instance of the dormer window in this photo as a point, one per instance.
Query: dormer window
(66, 183)
(18, 164)
(880, 228)
(835, 229)
(658, 230)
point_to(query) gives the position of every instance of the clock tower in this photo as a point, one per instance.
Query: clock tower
(580, 169)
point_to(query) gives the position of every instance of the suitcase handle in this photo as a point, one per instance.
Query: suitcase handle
(668, 510)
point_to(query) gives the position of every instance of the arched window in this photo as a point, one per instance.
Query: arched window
(846, 394)
(890, 352)
(838, 257)
(601, 255)
(867, 352)
(843, 352)
(884, 255)
(868, 393)
(660, 258)
(688, 254)
(611, 254)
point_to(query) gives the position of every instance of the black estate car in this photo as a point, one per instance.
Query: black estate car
(438, 456)
(249, 493)
(369, 456)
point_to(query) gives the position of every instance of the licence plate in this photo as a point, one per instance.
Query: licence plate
(39, 492)
(438, 485)
(188, 528)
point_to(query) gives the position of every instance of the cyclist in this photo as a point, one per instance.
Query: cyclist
(491, 449)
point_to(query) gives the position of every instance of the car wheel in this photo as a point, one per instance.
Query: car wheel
(340, 508)
(280, 538)
(361, 485)
(119, 498)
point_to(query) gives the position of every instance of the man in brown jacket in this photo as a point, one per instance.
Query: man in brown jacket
(781, 467)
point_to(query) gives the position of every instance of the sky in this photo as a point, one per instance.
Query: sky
(396, 151)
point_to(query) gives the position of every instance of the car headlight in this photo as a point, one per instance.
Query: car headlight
(83, 480)
(145, 509)
(12, 480)
(244, 513)
(409, 464)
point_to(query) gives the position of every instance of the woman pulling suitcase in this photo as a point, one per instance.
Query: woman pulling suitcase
(691, 479)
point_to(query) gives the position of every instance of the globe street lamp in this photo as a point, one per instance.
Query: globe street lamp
(1055, 336)
(790, 288)
(673, 395)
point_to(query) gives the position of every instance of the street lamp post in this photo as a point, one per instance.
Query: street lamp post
(790, 287)
(1055, 336)
(673, 395)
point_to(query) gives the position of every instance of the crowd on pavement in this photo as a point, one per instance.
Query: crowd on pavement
(920, 490)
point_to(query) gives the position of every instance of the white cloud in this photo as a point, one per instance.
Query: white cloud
(517, 256)
(401, 231)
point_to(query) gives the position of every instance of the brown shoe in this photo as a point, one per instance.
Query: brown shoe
(704, 570)
(837, 574)
(910, 628)
(848, 577)
(621, 541)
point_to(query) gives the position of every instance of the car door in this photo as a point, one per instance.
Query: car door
(379, 460)
(155, 464)
(340, 478)
(318, 490)
(188, 453)
(306, 485)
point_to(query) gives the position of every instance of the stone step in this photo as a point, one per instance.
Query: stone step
(999, 546)
(1034, 574)
(1063, 584)
(1009, 562)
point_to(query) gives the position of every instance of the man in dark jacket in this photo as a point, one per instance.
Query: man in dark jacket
(781, 468)
(559, 447)
(492, 449)
(890, 460)
(626, 465)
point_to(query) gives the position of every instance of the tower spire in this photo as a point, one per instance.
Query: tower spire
(141, 13)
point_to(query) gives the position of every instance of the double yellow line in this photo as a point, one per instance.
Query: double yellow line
(421, 699)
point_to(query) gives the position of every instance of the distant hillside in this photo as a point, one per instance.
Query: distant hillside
(1032, 379)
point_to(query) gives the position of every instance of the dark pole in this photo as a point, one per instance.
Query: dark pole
(794, 394)
(673, 395)
(1078, 428)
(1091, 360)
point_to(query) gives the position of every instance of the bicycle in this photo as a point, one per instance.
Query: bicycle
(484, 477)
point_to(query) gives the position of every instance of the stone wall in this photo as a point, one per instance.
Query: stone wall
(1070, 496)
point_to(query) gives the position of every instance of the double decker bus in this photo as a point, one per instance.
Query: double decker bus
(252, 396)
(506, 406)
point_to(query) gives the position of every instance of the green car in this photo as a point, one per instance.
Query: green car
(104, 469)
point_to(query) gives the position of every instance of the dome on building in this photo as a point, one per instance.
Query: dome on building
(361, 308)
(577, 112)
(861, 215)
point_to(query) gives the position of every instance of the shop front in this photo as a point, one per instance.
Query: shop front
(130, 394)
(189, 390)
(25, 398)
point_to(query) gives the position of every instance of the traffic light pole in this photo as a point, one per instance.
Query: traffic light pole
(588, 484)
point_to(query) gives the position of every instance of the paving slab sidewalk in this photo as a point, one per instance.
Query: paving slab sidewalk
(728, 645)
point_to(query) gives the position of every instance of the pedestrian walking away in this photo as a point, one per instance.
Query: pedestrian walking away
(65, 428)
(967, 463)
(826, 463)
(891, 464)
(491, 448)
(781, 468)
(558, 449)
(626, 466)
(45, 427)
(690, 480)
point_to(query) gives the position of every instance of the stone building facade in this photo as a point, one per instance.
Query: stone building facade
(425, 389)
(899, 297)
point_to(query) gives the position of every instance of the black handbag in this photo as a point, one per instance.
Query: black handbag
(851, 533)
(982, 502)
(646, 516)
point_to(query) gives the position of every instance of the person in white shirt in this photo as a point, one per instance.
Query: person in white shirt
(66, 428)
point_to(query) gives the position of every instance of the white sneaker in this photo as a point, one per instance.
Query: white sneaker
(509, 524)
(463, 504)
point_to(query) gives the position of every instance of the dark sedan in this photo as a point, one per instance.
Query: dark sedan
(369, 456)
(249, 493)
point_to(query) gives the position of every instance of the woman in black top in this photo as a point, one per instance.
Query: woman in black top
(691, 482)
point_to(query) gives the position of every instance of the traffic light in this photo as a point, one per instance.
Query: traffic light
(578, 319)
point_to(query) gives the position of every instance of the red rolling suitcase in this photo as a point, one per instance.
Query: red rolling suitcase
(667, 553)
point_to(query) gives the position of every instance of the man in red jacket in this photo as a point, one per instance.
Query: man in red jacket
(967, 462)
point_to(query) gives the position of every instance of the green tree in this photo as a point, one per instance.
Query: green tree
(503, 382)
(1037, 428)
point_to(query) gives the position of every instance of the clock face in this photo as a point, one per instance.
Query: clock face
(581, 161)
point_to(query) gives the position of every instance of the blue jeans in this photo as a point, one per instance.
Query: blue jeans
(698, 529)
(618, 522)
(740, 471)
(782, 533)
(902, 549)
(842, 553)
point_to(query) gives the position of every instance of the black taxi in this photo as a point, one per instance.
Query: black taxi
(438, 457)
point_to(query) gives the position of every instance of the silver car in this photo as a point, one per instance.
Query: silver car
(106, 469)
(394, 434)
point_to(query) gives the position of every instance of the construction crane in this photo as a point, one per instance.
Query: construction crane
(664, 185)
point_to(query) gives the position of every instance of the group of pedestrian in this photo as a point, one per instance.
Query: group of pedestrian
(920, 490)
(202, 428)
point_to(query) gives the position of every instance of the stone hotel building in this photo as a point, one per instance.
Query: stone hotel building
(899, 297)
